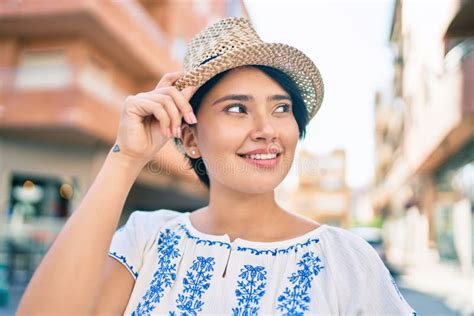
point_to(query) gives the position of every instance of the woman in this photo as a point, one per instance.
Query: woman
(242, 254)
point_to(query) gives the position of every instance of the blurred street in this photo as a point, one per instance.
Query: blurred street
(426, 304)
(438, 290)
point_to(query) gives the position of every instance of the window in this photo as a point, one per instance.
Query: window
(32, 196)
(43, 69)
(97, 80)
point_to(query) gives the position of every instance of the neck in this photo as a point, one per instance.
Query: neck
(239, 213)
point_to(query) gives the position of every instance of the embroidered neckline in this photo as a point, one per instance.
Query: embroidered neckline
(224, 239)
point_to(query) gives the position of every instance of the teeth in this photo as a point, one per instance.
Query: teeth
(261, 156)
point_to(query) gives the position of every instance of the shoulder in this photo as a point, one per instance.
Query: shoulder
(364, 284)
(340, 242)
(153, 216)
(142, 227)
(345, 236)
(134, 239)
(149, 221)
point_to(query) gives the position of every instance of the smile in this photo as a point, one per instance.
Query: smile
(262, 160)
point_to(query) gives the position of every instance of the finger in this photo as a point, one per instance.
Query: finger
(155, 129)
(169, 78)
(181, 99)
(170, 107)
(188, 92)
(144, 108)
(162, 117)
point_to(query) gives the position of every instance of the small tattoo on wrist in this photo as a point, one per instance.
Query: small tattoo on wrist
(116, 148)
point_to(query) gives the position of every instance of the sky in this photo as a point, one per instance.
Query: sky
(348, 42)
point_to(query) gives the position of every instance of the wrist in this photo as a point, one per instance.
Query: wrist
(124, 161)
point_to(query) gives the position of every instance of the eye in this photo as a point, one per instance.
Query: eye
(241, 106)
(288, 108)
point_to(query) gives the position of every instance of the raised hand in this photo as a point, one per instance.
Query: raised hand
(150, 119)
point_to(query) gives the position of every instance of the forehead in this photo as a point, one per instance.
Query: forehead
(248, 80)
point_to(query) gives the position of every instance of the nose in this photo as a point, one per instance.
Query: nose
(264, 129)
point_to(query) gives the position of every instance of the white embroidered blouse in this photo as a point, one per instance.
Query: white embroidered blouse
(179, 270)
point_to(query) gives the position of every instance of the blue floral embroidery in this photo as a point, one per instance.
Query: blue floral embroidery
(250, 289)
(164, 276)
(295, 300)
(257, 252)
(204, 241)
(124, 261)
(274, 252)
(196, 283)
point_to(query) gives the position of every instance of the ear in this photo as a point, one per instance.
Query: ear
(190, 141)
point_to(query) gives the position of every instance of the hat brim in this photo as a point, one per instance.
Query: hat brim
(286, 58)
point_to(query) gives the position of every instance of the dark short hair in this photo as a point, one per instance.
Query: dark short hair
(299, 108)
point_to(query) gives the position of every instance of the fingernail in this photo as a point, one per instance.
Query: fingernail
(192, 118)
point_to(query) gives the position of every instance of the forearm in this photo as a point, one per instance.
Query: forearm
(68, 277)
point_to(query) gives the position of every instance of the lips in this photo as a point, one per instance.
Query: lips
(262, 163)
(271, 149)
(244, 155)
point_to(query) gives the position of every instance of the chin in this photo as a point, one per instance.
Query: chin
(254, 189)
(255, 184)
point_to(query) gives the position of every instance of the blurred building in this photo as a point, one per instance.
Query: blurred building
(65, 69)
(322, 193)
(424, 135)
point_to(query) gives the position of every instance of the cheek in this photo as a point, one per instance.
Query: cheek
(289, 138)
(219, 138)
(291, 131)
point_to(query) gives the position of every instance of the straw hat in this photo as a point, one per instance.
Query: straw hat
(233, 42)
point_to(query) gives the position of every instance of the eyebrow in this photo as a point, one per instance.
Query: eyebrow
(244, 97)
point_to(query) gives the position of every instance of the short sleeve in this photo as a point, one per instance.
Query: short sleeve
(128, 243)
(382, 294)
(364, 284)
